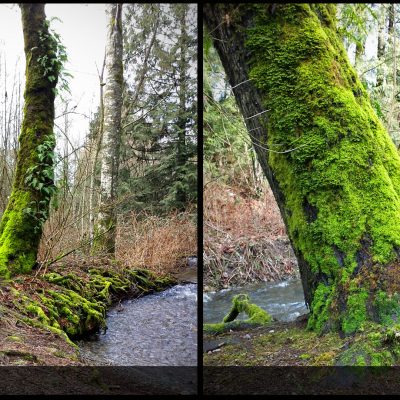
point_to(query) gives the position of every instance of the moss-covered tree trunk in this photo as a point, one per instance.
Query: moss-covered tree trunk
(28, 206)
(105, 231)
(334, 170)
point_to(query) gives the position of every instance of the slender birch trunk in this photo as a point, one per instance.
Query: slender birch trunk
(106, 226)
(94, 157)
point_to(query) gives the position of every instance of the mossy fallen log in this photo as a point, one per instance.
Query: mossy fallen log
(240, 303)
(74, 306)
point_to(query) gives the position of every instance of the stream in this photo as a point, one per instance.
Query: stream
(283, 300)
(158, 329)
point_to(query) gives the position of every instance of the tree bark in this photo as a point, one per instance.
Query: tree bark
(381, 43)
(94, 158)
(181, 157)
(27, 209)
(332, 167)
(106, 227)
(391, 19)
(360, 51)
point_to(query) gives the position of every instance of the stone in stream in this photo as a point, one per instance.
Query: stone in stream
(192, 262)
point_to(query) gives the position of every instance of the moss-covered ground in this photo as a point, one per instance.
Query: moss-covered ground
(43, 312)
(275, 344)
(292, 344)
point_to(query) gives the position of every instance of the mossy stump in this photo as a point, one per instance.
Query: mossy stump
(240, 303)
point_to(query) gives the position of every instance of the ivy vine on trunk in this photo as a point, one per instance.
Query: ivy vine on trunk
(28, 206)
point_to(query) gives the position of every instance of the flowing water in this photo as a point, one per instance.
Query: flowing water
(154, 330)
(283, 300)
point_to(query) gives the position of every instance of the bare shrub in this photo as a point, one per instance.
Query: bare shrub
(245, 238)
(160, 244)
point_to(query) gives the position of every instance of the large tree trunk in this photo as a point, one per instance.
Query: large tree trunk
(28, 206)
(332, 167)
(105, 233)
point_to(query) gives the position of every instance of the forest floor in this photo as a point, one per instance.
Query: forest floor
(23, 343)
(245, 239)
(38, 309)
(365, 363)
(29, 337)
(277, 344)
(72, 296)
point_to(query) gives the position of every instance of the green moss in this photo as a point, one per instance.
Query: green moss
(77, 306)
(21, 224)
(320, 308)
(15, 338)
(342, 183)
(16, 232)
(240, 303)
(388, 308)
(356, 310)
(220, 327)
(365, 354)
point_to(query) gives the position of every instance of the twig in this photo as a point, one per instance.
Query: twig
(85, 243)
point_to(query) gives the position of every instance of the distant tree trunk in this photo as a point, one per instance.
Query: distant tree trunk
(332, 167)
(391, 19)
(106, 227)
(27, 209)
(381, 43)
(360, 51)
(393, 123)
(94, 157)
(181, 158)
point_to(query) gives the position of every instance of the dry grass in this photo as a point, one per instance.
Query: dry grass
(245, 239)
(239, 215)
(160, 244)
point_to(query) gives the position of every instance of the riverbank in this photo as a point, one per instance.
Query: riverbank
(43, 312)
(277, 344)
(286, 358)
(291, 344)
